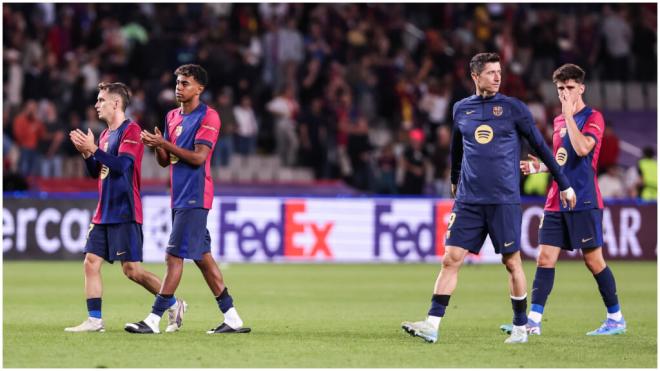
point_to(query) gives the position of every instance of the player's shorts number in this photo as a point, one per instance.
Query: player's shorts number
(91, 226)
(541, 222)
(452, 219)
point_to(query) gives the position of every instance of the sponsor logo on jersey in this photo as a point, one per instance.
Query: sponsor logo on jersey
(497, 111)
(483, 134)
(561, 156)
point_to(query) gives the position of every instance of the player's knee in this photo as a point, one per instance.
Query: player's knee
(512, 265)
(132, 271)
(593, 259)
(544, 261)
(91, 264)
(595, 265)
(451, 263)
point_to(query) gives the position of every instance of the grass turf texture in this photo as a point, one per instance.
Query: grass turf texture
(325, 316)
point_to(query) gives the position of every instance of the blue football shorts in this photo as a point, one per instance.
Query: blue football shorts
(189, 238)
(572, 229)
(469, 224)
(113, 242)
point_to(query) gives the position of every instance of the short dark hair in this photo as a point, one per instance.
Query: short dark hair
(120, 89)
(478, 62)
(196, 71)
(567, 72)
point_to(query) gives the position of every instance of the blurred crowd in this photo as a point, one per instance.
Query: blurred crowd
(359, 92)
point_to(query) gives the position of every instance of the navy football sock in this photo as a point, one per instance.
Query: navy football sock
(519, 311)
(607, 288)
(543, 282)
(224, 300)
(162, 303)
(438, 305)
(94, 307)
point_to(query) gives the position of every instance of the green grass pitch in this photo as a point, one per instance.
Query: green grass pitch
(325, 316)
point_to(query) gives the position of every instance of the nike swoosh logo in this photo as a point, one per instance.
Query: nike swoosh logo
(121, 253)
(507, 244)
(469, 112)
(586, 239)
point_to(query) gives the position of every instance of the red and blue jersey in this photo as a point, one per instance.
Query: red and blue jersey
(119, 192)
(192, 186)
(581, 171)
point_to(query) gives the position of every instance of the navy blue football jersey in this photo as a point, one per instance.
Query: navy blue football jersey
(486, 149)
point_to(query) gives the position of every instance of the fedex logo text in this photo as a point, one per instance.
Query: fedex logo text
(274, 236)
(404, 239)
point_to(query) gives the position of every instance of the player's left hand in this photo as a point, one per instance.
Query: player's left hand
(568, 197)
(453, 190)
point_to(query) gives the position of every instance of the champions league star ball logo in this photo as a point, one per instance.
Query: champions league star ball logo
(483, 134)
(561, 156)
(497, 111)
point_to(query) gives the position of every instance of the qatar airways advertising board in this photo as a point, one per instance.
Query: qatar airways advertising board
(275, 229)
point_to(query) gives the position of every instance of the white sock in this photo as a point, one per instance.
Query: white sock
(232, 319)
(434, 321)
(152, 320)
(535, 316)
(617, 316)
(522, 328)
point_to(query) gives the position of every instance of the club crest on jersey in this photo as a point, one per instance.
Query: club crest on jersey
(561, 156)
(562, 132)
(173, 159)
(178, 130)
(497, 110)
(483, 134)
(104, 172)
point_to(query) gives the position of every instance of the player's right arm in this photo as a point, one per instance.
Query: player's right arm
(78, 139)
(154, 141)
(162, 156)
(456, 149)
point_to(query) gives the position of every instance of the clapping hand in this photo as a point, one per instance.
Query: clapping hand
(154, 140)
(84, 142)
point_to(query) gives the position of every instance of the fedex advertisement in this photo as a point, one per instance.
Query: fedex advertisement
(257, 229)
(280, 229)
